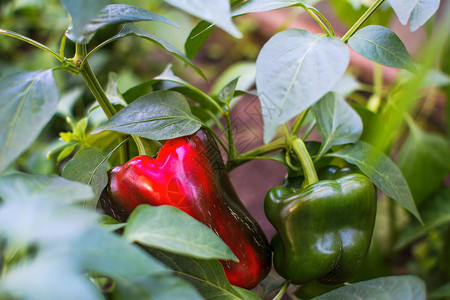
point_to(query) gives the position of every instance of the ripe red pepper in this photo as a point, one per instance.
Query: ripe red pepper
(189, 173)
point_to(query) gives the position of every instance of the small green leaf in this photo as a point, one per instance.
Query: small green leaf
(88, 166)
(113, 14)
(197, 37)
(246, 71)
(159, 227)
(226, 94)
(417, 12)
(383, 46)
(337, 122)
(28, 101)
(390, 287)
(132, 30)
(216, 12)
(160, 115)
(207, 276)
(294, 70)
(381, 170)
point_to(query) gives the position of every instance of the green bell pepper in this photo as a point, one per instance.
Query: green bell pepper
(324, 229)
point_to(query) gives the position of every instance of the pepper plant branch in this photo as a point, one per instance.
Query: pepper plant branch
(273, 146)
(298, 123)
(361, 20)
(319, 21)
(305, 159)
(281, 293)
(31, 42)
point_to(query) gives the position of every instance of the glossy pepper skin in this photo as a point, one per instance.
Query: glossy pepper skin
(189, 173)
(323, 230)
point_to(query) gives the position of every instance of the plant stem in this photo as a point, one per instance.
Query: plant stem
(260, 151)
(31, 42)
(94, 85)
(319, 21)
(231, 148)
(361, 20)
(298, 122)
(280, 294)
(305, 159)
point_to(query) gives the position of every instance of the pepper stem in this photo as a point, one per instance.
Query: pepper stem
(300, 150)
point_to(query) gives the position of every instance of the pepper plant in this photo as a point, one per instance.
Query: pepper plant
(139, 203)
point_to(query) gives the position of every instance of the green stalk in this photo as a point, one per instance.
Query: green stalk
(31, 42)
(298, 123)
(361, 20)
(231, 148)
(273, 146)
(282, 291)
(305, 159)
(319, 21)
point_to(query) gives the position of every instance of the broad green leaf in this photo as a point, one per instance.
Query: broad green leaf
(417, 12)
(381, 170)
(424, 161)
(89, 166)
(383, 46)
(82, 12)
(197, 37)
(216, 12)
(159, 227)
(27, 103)
(159, 115)
(337, 122)
(435, 213)
(294, 70)
(114, 14)
(346, 85)
(38, 188)
(47, 277)
(390, 287)
(105, 253)
(132, 30)
(253, 6)
(207, 276)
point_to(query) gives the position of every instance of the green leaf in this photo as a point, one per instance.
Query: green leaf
(381, 170)
(82, 12)
(337, 122)
(47, 277)
(226, 94)
(383, 46)
(246, 71)
(207, 276)
(114, 14)
(159, 115)
(346, 85)
(441, 292)
(105, 253)
(435, 213)
(424, 161)
(161, 287)
(89, 166)
(253, 6)
(27, 103)
(246, 294)
(294, 70)
(132, 30)
(216, 12)
(26, 187)
(417, 12)
(197, 37)
(390, 287)
(159, 227)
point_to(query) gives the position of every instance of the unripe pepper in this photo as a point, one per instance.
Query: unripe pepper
(324, 229)
(189, 173)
